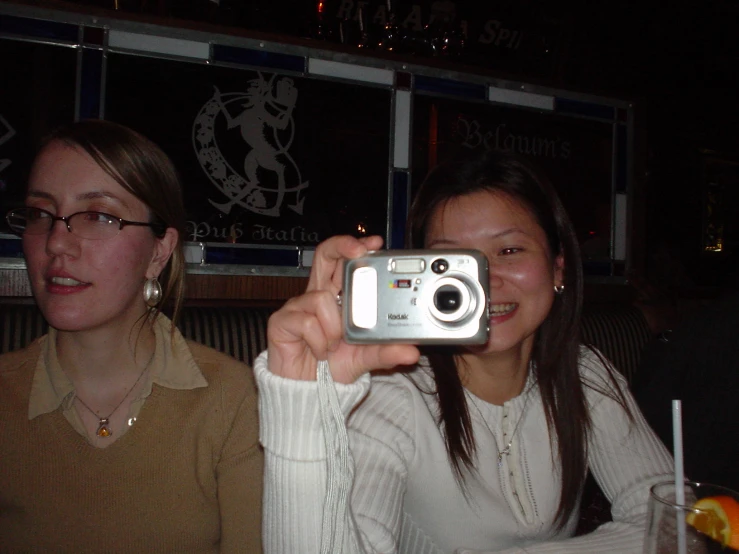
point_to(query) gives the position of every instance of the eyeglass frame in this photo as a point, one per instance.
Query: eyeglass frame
(159, 228)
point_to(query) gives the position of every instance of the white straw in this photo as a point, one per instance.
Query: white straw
(677, 436)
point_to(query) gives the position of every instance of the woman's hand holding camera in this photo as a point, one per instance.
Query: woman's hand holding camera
(309, 327)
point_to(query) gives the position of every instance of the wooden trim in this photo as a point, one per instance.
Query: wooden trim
(240, 289)
(218, 287)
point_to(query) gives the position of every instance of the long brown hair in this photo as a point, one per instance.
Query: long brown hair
(556, 345)
(144, 170)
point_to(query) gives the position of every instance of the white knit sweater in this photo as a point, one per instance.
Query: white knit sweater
(404, 497)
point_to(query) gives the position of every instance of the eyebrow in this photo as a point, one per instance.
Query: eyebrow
(501, 234)
(92, 195)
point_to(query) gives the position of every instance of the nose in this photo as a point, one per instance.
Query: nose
(494, 277)
(59, 239)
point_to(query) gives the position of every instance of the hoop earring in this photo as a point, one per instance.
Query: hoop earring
(152, 292)
(559, 289)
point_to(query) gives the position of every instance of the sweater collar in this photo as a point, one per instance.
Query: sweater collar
(173, 367)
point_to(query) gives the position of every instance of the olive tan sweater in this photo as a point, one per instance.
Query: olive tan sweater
(186, 477)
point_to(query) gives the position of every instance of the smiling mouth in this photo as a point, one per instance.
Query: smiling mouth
(66, 281)
(501, 309)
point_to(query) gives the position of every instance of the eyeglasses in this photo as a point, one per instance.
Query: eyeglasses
(86, 225)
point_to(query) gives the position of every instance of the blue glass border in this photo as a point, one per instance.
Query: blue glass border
(38, 28)
(450, 87)
(91, 83)
(11, 248)
(622, 158)
(251, 256)
(400, 195)
(577, 107)
(258, 58)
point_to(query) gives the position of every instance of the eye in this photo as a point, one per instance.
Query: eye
(97, 217)
(510, 250)
(35, 214)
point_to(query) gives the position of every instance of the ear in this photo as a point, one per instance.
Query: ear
(163, 249)
(559, 270)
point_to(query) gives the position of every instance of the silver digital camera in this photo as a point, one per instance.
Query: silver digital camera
(416, 297)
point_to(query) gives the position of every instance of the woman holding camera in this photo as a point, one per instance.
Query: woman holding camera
(117, 434)
(465, 449)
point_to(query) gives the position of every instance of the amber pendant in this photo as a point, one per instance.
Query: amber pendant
(103, 429)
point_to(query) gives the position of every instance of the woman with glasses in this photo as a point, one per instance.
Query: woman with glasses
(117, 434)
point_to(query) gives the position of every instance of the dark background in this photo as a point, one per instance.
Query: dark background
(683, 60)
(678, 61)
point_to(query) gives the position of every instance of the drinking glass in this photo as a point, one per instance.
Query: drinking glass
(665, 517)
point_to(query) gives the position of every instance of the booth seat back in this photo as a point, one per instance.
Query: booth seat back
(619, 332)
(238, 332)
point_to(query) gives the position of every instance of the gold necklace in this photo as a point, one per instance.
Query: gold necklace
(104, 429)
(507, 450)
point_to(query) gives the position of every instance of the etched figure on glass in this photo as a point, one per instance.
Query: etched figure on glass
(267, 127)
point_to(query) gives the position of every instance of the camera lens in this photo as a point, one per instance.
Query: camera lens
(447, 299)
(439, 266)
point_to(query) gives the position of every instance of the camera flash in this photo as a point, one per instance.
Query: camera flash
(407, 265)
(363, 304)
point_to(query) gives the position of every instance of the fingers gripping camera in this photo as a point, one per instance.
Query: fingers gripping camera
(416, 297)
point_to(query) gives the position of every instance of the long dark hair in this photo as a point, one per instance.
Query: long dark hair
(556, 345)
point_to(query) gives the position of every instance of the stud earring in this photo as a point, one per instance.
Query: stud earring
(152, 292)
(559, 289)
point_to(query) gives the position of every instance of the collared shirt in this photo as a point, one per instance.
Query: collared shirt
(172, 367)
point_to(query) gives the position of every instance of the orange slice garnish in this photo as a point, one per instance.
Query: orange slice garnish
(718, 518)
